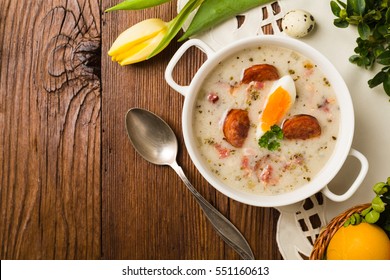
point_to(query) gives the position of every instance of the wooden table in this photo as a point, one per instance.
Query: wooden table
(71, 184)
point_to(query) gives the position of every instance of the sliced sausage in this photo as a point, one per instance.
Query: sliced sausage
(260, 73)
(236, 127)
(301, 127)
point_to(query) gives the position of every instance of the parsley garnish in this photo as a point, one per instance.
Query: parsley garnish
(270, 139)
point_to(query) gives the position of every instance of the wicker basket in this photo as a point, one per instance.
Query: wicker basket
(326, 234)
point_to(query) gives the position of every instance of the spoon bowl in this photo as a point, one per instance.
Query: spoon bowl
(156, 142)
(151, 136)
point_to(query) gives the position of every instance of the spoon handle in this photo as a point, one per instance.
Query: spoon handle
(228, 232)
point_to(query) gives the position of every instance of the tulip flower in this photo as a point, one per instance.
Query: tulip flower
(138, 42)
(149, 37)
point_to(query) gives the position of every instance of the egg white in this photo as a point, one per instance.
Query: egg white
(287, 83)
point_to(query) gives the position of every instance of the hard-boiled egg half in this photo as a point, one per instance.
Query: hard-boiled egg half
(278, 102)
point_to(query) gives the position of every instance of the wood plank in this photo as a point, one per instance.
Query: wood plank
(147, 213)
(50, 112)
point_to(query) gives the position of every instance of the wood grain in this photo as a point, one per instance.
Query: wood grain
(147, 212)
(71, 184)
(50, 113)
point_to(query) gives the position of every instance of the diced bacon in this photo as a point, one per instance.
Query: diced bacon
(245, 163)
(245, 166)
(223, 152)
(254, 85)
(264, 171)
(324, 105)
(212, 97)
(266, 174)
(261, 163)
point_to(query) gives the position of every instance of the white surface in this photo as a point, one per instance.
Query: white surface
(371, 106)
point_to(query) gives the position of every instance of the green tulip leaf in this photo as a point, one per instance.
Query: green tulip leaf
(136, 5)
(176, 24)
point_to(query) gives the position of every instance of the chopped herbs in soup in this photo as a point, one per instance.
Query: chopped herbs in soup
(266, 120)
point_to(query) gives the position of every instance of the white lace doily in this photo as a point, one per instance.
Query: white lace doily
(299, 224)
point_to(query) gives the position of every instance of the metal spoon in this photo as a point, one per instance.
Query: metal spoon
(156, 142)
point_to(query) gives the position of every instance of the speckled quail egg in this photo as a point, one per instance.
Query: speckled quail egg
(298, 23)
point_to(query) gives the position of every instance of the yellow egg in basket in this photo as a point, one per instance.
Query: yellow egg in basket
(359, 242)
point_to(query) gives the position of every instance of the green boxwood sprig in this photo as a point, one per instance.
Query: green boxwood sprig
(372, 18)
(379, 211)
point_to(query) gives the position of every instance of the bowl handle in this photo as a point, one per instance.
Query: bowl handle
(176, 57)
(355, 185)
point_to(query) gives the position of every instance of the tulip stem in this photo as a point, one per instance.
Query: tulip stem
(175, 25)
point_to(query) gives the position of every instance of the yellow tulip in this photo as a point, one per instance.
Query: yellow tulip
(149, 37)
(138, 42)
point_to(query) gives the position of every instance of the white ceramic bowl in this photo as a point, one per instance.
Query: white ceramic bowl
(344, 140)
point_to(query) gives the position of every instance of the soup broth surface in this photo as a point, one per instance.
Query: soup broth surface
(251, 168)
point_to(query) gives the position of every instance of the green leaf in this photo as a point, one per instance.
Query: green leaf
(347, 223)
(136, 5)
(377, 79)
(353, 219)
(342, 4)
(356, 7)
(354, 58)
(379, 32)
(335, 8)
(385, 4)
(386, 84)
(358, 218)
(176, 24)
(341, 23)
(387, 15)
(370, 4)
(366, 211)
(214, 12)
(361, 61)
(384, 58)
(372, 217)
(364, 30)
(380, 188)
(376, 16)
(378, 205)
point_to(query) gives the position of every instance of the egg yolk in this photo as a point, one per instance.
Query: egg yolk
(278, 104)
